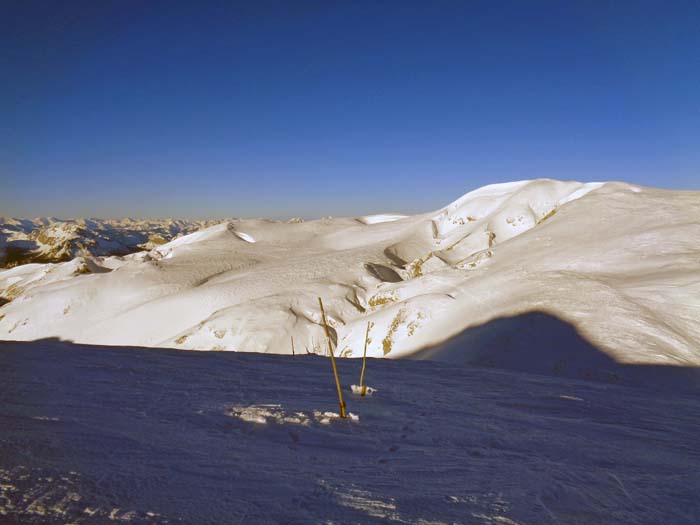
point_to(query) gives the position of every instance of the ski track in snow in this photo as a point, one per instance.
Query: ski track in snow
(102, 434)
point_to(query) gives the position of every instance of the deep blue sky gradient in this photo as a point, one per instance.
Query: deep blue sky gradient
(206, 109)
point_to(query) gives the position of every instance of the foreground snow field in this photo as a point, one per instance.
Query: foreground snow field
(135, 435)
(617, 262)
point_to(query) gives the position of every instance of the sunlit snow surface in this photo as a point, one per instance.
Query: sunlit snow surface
(102, 435)
(617, 262)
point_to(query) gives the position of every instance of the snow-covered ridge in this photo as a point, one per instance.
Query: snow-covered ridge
(615, 261)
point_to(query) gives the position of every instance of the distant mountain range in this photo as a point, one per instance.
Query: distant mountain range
(51, 240)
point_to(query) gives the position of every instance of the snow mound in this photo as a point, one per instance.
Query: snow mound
(262, 414)
(274, 413)
(380, 218)
(244, 236)
(483, 218)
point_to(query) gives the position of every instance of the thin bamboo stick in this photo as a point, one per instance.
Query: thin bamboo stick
(363, 388)
(330, 352)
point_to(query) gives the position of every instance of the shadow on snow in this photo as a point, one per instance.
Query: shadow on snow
(540, 343)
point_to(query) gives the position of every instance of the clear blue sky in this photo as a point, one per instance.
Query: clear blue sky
(206, 109)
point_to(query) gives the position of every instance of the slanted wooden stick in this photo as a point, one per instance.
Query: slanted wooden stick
(363, 388)
(330, 352)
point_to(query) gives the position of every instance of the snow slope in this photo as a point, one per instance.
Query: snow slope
(102, 435)
(619, 263)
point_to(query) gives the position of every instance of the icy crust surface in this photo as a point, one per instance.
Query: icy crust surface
(617, 262)
(132, 435)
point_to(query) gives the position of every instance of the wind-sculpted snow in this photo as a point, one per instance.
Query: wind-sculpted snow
(617, 262)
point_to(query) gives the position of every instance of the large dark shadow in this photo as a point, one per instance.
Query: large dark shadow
(540, 343)
(157, 434)
(533, 342)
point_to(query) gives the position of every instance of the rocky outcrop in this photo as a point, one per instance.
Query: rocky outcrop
(49, 239)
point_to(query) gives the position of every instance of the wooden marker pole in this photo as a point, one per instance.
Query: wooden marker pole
(293, 352)
(330, 352)
(363, 388)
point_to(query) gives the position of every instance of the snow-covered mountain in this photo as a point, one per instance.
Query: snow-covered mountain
(49, 239)
(618, 263)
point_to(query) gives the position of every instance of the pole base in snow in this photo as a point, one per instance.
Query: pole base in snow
(363, 390)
